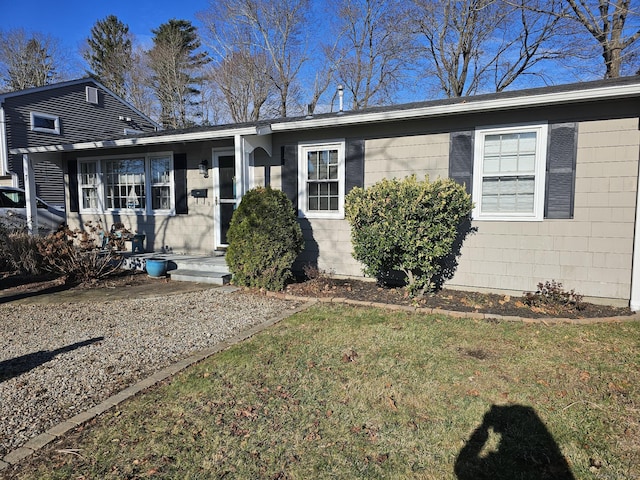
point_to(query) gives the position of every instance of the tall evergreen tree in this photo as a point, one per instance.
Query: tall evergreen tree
(177, 69)
(109, 53)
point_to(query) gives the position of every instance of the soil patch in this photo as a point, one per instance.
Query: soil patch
(448, 299)
(51, 289)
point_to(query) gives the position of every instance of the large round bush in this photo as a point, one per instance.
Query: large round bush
(408, 226)
(264, 239)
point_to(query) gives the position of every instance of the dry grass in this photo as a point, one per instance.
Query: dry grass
(339, 392)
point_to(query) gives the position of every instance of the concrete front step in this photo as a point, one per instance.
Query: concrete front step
(203, 264)
(199, 276)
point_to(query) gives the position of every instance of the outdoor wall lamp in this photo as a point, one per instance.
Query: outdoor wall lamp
(203, 168)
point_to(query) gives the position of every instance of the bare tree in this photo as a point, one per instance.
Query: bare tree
(372, 50)
(243, 80)
(475, 45)
(609, 24)
(27, 60)
(139, 84)
(255, 27)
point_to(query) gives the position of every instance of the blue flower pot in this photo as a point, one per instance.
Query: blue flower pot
(156, 267)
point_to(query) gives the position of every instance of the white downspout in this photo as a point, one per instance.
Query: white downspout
(30, 195)
(634, 302)
(4, 147)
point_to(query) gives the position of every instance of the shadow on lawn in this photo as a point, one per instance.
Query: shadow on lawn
(512, 442)
(19, 365)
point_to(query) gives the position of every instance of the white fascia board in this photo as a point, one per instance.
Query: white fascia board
(500, 104)
(141, 141)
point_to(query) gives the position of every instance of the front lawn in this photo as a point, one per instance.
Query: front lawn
(345, 392)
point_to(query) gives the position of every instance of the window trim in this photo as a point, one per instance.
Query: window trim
(55, 118)
(148, 185)
(303, 148)
(542, 135)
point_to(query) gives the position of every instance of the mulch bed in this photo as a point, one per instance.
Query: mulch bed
(448, 299)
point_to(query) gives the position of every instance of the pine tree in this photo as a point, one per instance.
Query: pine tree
(109, 53)
(177, 70)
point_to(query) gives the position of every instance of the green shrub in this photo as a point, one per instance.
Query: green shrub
(408, 226)
(264, 240)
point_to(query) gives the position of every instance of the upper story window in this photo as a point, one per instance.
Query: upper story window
(321, 177)
(138, 185)
(42, 122)
(510, 178)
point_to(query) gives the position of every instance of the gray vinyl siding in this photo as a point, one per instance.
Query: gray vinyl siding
(79, 121)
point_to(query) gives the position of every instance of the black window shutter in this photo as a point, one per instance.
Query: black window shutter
(354, 164)
(180, 179)
(74, 201)
(289, 155)
(561, 170)
(461, 158)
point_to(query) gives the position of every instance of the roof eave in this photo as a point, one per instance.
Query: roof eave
(507, 103)
(141, 141)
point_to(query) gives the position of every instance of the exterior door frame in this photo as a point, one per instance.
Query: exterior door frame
(218, 201)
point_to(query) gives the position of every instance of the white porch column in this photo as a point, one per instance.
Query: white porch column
(4, 154)
(250, 142)
(30, 194)
(240, 180)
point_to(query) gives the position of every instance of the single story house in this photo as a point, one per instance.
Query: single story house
(553, 172)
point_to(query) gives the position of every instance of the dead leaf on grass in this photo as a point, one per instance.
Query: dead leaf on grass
(349, 356)
(585, 376)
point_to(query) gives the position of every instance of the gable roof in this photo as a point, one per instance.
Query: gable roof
(610, 89)
(69, 83)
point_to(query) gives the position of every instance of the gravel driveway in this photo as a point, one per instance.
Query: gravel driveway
(59, 360)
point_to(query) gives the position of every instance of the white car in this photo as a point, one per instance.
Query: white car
(13, 211)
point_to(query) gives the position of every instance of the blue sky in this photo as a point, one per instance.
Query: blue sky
(71, 20)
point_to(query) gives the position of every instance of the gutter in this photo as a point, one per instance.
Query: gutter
(508, 103)
(142, 141)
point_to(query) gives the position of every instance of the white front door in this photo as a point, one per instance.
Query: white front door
(224, 175)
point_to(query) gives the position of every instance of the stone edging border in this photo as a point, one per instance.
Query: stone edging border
(15, 456)
(456, 314)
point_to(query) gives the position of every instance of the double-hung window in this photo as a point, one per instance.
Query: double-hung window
(509, 171)
(88, 185)
(321, 177)
(141, 184)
